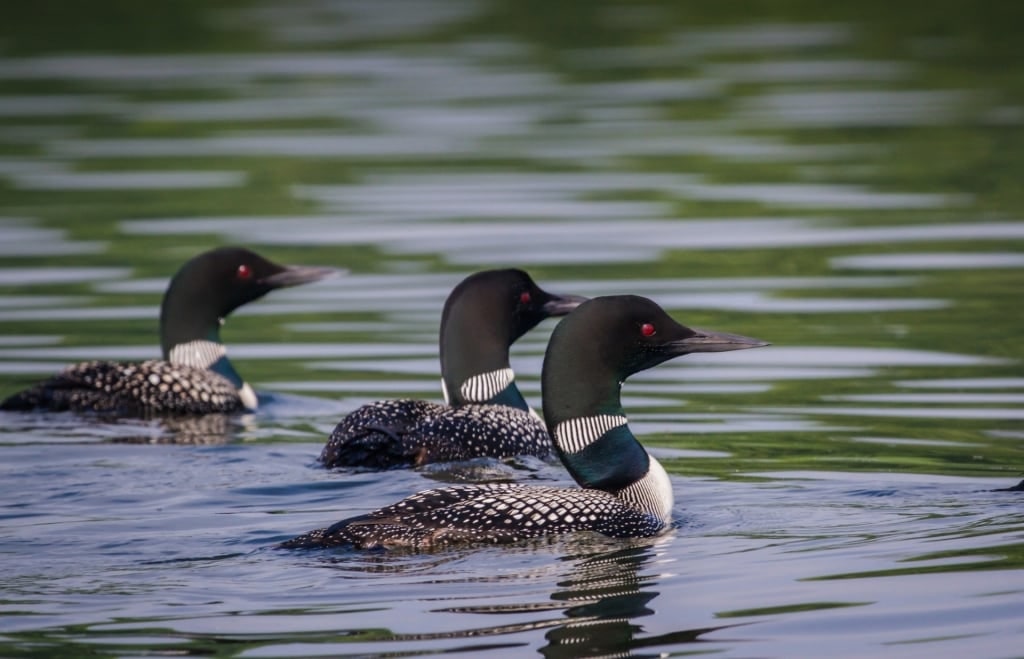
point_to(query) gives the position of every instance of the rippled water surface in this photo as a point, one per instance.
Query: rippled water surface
(843, 182)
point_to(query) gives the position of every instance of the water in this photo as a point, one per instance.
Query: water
(843, 183)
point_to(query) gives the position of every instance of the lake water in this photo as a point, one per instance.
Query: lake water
(843, 182)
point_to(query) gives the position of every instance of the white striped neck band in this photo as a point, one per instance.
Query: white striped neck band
(483, 387)
(574, 435)
(197, 354)
(652, 493)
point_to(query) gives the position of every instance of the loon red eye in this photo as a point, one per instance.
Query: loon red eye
(244, 272)
(524, 297)
(647, 329)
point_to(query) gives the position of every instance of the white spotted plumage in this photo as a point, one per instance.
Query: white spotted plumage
(136, 389)
(413, 432)
(504, 512)
(495, 513)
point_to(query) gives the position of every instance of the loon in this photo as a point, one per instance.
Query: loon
(624, 491)
(194, 376)
(485, 415)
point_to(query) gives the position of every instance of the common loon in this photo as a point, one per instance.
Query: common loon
(485, 415)
(194, 376)
(625, 491)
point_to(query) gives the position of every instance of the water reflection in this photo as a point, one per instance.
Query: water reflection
(797, 70)
(163, 180)
(938, 399)
(607, 594)
(931, 261)
(688, 45)
(473, 243)
(829, 109)
(602, 590)
(62, 428)
(279, 415)
(58, 275)
(58, 105)
(964, 383)
(1002, 413)
(24, 239)
(777, 168)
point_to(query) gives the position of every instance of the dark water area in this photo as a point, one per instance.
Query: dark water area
(841, 181)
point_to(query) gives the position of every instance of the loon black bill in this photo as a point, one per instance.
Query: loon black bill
(559, 305)
(707, 341)
(296, 275)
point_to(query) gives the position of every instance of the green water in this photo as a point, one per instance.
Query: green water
(843, 182)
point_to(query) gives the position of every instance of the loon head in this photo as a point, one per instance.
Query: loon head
(591, 352)
(206, 290)
(607, 339)
(483, 316)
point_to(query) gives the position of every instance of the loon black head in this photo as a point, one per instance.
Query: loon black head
(591, 352)
(213, 284)
(606, 340)
(208, 288)
(483, 316)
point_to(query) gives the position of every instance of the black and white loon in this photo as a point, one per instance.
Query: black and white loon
(625, 492)
(194, 376)
(485, 415)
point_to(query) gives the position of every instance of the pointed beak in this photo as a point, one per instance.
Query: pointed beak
(296, 275)
(559, 305)
(707, 341)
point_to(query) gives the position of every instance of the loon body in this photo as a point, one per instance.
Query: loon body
(194, 376)
(624, 491)
(485, 414)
